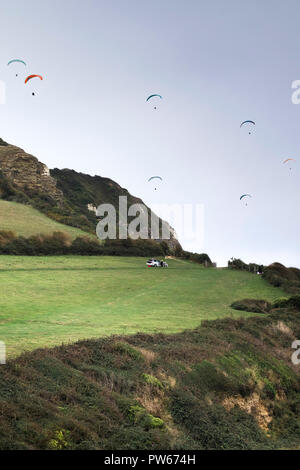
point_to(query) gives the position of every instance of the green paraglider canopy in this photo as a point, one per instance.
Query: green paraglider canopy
(152, 96)
(17, 60)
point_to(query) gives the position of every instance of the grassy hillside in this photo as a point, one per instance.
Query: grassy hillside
(229, 384)
(26, 221)
(80, 190)
(49, 300)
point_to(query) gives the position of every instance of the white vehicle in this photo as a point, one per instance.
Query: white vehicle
(155, 263)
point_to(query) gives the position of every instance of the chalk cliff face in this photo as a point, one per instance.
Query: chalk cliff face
(27, 173)
(64, 195)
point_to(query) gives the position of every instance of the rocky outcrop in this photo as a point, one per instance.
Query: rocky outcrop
(27, 172)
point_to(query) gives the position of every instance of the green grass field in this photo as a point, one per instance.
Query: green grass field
(52, 300)
(26, 221)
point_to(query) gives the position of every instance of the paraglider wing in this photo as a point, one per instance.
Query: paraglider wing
(245, 195)
(289, 160)
(16, 60)
(155, 177)
(248, 122)
(33, 76)
(152, 96)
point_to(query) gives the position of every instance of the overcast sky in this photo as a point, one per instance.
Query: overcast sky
(215, 63)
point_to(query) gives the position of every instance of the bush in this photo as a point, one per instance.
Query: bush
(269, 390)
(6, 237)
(251, 267)
(60, 243)
(252, 305)
(202, 258)
(146, 248)
(86, 246)
(281, 302)
(286, 278)
(151, 380)
(292, 302)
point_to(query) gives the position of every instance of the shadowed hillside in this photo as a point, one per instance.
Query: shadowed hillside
(229, 384)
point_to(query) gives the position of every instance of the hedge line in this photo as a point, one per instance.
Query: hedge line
(60, 243)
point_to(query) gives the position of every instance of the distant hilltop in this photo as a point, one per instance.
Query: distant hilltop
(64, 195)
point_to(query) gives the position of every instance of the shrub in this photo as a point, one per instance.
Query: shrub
(252, 305)
(251, 267)
(6, 237)
(60, 441)
(86, 246)
(200, 258)
(286, 278)
(269, 390)
(139, 415)
(155, 422)
(293, 302)
(150, 379)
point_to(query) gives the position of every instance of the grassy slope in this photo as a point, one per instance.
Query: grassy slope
(229, 384)
(26, 221)
(50, 300)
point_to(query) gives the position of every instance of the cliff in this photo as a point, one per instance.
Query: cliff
(26, 172)
(65, 195)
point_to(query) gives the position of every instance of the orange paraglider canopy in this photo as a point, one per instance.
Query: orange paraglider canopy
(33, 76)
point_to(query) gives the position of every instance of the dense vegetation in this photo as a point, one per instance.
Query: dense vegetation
(200, 258)
(236, 263)
(287, 279)
(61, 243)
(75, 242)
(276, 274)
(252, 305)
(229, 384)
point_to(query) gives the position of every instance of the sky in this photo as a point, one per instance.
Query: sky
(215, 63)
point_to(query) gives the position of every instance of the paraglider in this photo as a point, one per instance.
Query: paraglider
(153, 96)
(17, 60)
(252, 123)
(33, 76)
(244, 196)
(20, 61)
(30, 77)
(289, 160)
(155, 178)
